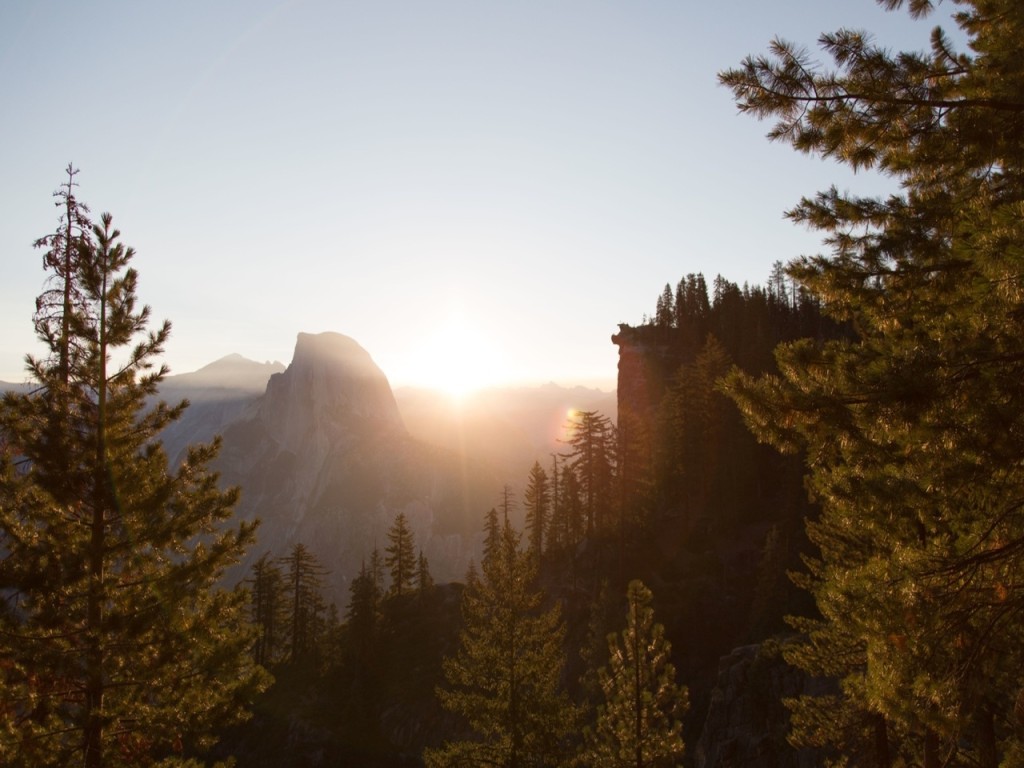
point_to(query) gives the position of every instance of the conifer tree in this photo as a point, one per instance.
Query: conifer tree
(536, 499)
(400, 556)
(266, 596)
(303, 584)
(363, 613)
(116, 648)
(504, 679)
(558, 525)
(376, 570)
(492, 534)
(424, 580)
(364, 601)
(912, 429)
(63, 298)
(592, 460)
(664, 314)
(638, 723)
(508, 503)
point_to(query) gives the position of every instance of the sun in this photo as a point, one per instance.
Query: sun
(456, 358)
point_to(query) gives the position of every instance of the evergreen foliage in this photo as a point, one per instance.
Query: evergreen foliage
(400, 556)
(117, 647)
(363, 610)
(269, 609)
(592, 452)
(638, 723)
(66, 249)
(537, 500)
(303, 578)
(912, 429)
(424, 581)
(505, 678)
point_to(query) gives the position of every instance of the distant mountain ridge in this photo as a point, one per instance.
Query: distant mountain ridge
(218, 394)
(231, 372)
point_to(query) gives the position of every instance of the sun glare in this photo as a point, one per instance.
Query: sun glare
(456, 359)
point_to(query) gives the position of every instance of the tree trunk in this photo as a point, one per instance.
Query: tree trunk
(931, 749)
(92, 736)
(883, 758)
(985, 735)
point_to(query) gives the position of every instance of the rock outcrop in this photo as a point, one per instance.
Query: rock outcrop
(747, 721)
(647, 361)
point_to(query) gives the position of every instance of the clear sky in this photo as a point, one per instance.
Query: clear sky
(491, 183)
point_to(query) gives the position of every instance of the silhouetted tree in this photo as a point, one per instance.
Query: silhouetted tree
(536, 499)
(592, 460)
(116, 645)
(303, 584)
(400, 556)
(504, 679)
(638, 724)
(424, 580)
(266, 596)
(913, 428)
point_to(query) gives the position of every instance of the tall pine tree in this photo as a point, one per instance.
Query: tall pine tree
(537, 501)
(638, 724)
(266, 595)
(400, 556)
(505, 678)
(913, 430)
(303, 579)
(117, 646)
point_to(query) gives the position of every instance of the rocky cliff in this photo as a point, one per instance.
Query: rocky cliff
(747, 721)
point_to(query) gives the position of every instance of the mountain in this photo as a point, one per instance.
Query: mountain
(10, 386)
(218, 394)
(323, 457)
(223, 377)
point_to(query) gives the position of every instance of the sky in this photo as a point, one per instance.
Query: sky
(476, 189)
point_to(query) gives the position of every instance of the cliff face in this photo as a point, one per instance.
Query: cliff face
(331, 390)
(647, 361)
(323, 458)
(719, 500)
(747, 721)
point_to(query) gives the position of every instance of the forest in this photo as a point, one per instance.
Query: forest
(821, 476)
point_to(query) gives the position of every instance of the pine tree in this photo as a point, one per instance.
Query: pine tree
(376, 570)
(364, 600)
(306, 608)
(363, 614)
(492, 534)
(508, 503)
(638, 723)
(592, 460)
(912, 429)
(536, 499)
(664, 314)
(116, 645)
(558, 525)
(266, 596)
(424, 581)
(65, 250)
(504, 679)
(400, 556)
